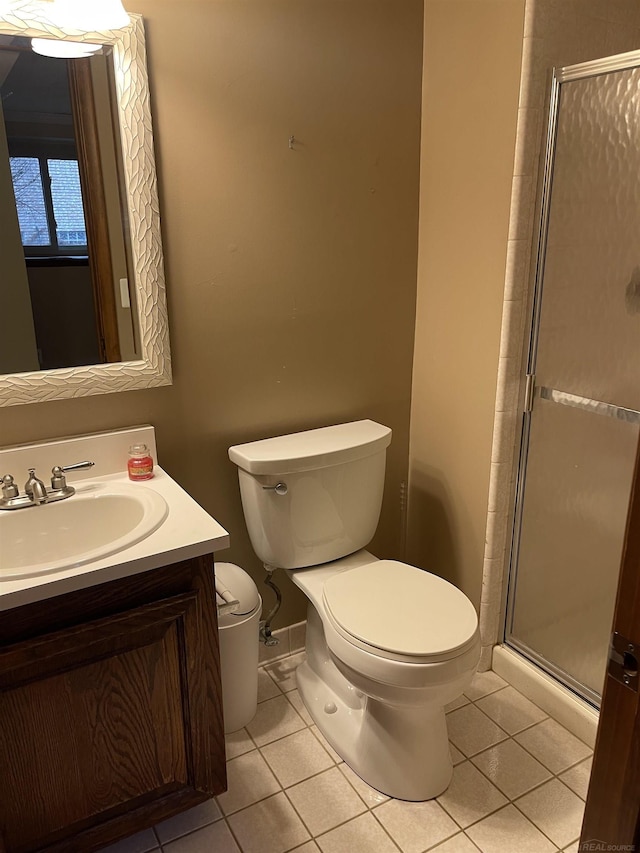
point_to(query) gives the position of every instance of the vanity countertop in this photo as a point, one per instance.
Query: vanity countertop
(187, 531)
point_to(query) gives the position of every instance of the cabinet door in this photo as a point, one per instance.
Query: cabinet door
(104, 723)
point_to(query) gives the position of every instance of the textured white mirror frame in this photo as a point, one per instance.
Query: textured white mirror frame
(28, 18)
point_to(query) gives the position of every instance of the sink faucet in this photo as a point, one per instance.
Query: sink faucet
(35, 492)
(35, 489)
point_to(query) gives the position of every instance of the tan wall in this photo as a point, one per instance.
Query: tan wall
(291, 274)
(472, 54)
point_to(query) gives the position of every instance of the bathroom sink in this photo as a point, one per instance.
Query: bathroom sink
(99, 520)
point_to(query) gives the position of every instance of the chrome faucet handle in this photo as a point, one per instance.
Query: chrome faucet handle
(9, 488)
(35, 488)
(58, 480)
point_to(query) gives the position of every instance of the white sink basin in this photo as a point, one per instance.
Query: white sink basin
(99, 520)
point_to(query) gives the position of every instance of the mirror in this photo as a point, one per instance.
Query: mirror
(82, 295)
(65, 272)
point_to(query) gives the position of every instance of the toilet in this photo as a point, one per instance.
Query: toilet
(388, 645)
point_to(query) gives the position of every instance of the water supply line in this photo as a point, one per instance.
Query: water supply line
(266, 636)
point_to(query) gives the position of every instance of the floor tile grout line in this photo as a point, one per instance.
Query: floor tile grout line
(377, 820)
(267, 667)
(442, 840)
(524, 793)
(282, 691)
(525, 728)
(564, 769)
(564, 784)
(558, 777)
(246, 808)
(289, 734)
(233, 835)
(276, 740)
(281, 695)
(195, 829)
(540, 829)
(288, 849)
(248, 750)
(304, 725)
(480, 711)
(313, 837)
(459, 831)
(312, 723)
(473, 823)
(495, 811)
(305, 779)
(485, 749)
(490, 693)
(315, 734)
(497, 743)
(464, 831)
(546, 718)
(575, 764)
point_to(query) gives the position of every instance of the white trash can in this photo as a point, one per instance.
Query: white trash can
(239, 638)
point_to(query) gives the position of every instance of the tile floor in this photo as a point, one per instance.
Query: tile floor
(519, 785)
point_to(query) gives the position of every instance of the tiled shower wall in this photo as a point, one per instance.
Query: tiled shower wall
(557, 33)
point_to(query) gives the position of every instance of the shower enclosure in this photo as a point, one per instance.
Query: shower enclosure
(583, 378)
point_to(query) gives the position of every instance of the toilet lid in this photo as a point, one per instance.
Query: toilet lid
(401, 610)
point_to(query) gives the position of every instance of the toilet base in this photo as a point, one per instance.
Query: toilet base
(402, 751)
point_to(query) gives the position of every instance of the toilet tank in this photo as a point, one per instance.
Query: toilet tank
(334, 478)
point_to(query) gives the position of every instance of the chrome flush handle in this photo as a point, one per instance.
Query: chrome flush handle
(279, 488)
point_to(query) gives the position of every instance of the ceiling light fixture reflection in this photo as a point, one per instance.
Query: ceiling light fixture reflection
(63, 49)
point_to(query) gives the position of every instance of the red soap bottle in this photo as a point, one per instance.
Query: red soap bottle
(140, 463)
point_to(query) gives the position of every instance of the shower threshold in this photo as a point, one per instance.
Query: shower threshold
(576, 714)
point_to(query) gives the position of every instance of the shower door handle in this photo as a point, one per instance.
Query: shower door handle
(596, 407)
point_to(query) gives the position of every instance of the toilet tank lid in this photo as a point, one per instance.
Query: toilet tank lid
(311, 449)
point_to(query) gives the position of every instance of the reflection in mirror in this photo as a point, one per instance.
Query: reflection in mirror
(111, 164)
(65, 258)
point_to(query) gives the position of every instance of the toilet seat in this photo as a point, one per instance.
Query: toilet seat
(397, 611)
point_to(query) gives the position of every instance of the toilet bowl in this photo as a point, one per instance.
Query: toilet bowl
(382, 709)
(388, 644)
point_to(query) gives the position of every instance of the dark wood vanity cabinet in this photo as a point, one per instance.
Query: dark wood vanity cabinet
(110, 709)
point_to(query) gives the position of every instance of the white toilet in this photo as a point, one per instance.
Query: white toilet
(388, 644)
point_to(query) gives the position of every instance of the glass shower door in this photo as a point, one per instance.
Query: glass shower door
(581, 430)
